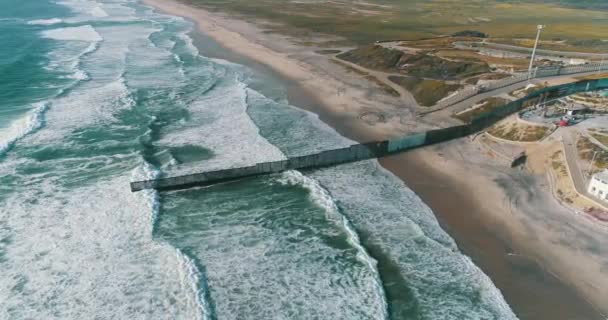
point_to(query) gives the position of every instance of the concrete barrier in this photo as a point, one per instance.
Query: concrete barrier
(365, 151)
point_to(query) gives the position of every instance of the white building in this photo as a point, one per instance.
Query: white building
(598, 186)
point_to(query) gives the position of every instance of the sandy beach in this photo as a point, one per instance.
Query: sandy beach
(547, 263)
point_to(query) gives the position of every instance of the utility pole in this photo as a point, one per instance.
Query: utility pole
(591, 165)
(538, 29)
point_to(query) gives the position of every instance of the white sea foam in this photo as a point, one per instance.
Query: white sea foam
(323, 199)
(80, 75)
(193, 275)
(445, 284)
(295, 131)
(189, 274)
(250, 268)
(84, 107)
(98, 12)
(87, 245)
(89, 253)
(82, 33)
(45, 22)
(66, 58)
(85, 9)
(192, 49)
(227, 130)
(268, 260)
(31, 122)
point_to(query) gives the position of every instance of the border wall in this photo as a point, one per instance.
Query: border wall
(538, 73)
(364, 151)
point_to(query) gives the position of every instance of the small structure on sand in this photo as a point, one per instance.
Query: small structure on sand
(598, 186)
(573, 109)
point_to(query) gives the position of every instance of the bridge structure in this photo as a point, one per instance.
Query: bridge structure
(365, 151)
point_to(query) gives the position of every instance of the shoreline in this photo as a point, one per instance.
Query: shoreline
(496, 246)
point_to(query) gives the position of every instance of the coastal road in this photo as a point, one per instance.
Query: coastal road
(572, 54)
(469, 102)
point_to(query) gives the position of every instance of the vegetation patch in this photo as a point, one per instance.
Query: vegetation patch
(470, 33)
(365, 22)
(586, 150)
(426, 92)
(421, 65)
(558, 165)
(598, 130)
(373, 57)
(559, 44)
(482, 107)
(603, 139)
(328, 51)
(516, 131)
(383, 86)
(488, 76)
(594, 76)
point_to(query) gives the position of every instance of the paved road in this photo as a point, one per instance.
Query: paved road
(569, 142)
(469, 102)
(547, 52)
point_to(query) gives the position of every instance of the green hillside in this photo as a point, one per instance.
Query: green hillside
(363, 22)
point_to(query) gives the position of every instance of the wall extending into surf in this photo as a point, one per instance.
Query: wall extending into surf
(364, 151)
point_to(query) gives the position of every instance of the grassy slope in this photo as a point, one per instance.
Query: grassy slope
(365, 22)
(419, 65)
(486, 105)
(426, 92)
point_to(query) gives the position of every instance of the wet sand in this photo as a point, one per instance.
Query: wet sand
(532, 291)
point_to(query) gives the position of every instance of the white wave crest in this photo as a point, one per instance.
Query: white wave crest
(82, 33)
(188, 270)
(193, 275)
(85, 8)
(98, 12)
(22, 127)
(322, 198)
(79, 75)
(45, 22)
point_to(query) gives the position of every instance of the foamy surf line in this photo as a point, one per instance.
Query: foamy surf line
(190, 272)
(20, 128)
(86, 8)
(82, 33)
(322, 198)
(45, 22)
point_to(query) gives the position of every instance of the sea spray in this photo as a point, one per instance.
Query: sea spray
(191, 276)
(81, 33)
(22, 127)
(45, 22)
(322, 198)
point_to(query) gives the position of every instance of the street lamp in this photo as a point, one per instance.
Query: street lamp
(538, 29)
(591, 165)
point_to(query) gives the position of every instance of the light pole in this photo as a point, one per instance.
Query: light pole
(538, 29)
(591, 165)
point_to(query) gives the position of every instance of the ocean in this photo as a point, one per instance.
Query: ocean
(95, 94)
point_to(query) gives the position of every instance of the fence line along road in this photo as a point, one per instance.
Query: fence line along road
(538, 73)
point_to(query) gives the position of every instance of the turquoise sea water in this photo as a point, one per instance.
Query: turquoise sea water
(95, 94)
